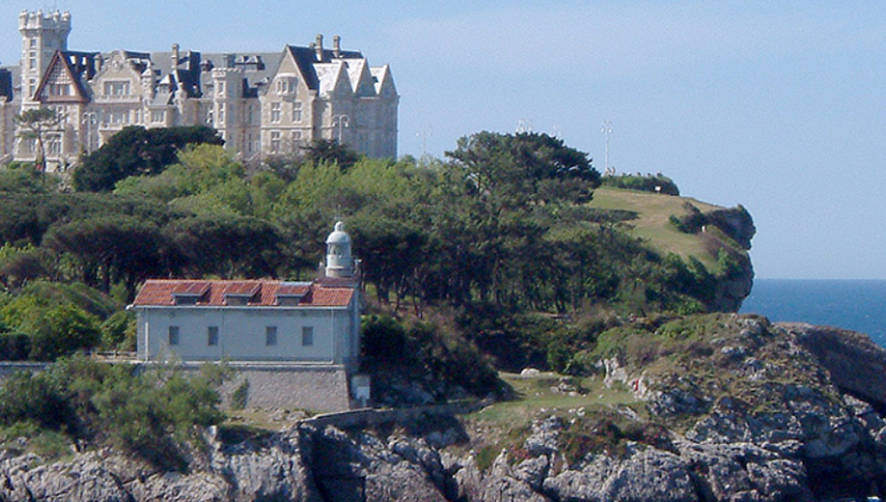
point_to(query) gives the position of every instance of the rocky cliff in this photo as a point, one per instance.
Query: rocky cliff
(731, 408)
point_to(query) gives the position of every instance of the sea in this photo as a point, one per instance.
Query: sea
(859, 305)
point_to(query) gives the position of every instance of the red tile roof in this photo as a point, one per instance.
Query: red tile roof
(262, 293)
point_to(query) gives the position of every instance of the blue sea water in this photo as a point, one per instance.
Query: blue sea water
(859, 305)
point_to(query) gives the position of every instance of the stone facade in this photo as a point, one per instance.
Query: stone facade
(262, 103)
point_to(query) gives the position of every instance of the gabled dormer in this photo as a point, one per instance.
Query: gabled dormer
(120, 77)
(293, 76)
(61, 81)
(334, 79)
(360, 77)
(384, 82)
(190, 293)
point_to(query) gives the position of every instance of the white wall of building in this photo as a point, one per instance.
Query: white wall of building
(242, 333)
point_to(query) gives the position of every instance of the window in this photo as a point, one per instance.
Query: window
(213, 336)
(158, 115)
(116, 88)
(271, 335)
(307, 336)
(55, 145)
(33, 43)
(296, 111)
(221, 89)
(250, 114)
(221, 114)
(118, 117)
(59, 90)
(173, 335)
(275, 112)
(275, 141)
(286, 85)
(296, 139)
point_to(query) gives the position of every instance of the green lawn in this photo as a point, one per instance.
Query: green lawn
(534, 395)
(652, 222)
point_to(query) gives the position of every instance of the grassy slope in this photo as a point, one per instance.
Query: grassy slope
(652, 223)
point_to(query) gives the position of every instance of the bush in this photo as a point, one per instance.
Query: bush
(647, 183)
(148, 415)
(118, 331)
(14, 346)
(61, 331)
(240, 396)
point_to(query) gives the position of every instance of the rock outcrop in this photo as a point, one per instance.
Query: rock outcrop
(791, 413)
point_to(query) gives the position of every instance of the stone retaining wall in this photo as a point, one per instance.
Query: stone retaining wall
(313, 387)
(368, 416)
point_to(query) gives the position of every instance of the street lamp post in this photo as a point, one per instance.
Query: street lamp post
(341, 121)
(89, 122)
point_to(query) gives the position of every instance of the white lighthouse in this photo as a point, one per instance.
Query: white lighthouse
(339, 262)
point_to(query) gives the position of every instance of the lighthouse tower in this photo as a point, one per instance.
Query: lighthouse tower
(339, 262)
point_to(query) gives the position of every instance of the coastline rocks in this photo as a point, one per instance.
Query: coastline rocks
(805, 424)
(855, 363)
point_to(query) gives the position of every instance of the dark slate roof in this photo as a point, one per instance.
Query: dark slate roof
(6, 88)
(305, 57)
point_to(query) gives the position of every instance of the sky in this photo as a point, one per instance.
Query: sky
(778, 106)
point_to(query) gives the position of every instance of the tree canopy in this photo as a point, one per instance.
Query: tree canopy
(137, 151)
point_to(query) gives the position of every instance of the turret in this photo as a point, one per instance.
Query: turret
(42, 35)
(339, 262)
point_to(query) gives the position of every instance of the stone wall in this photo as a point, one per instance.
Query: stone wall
(365, 417)
(313, 387)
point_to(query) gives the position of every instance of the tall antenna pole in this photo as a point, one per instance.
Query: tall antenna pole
(607, 131)
(424, 135)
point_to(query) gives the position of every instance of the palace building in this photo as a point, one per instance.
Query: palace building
(261, 103)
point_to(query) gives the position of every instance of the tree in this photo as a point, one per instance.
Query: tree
(111, 248)
(515, 169)
(228, 246)
(61, 331)
(330, 152)
(137, 151)
(34, 124)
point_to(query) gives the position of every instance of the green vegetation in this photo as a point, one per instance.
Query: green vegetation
(137, 151)
(150, 415)
(658, 183)
(505, 254)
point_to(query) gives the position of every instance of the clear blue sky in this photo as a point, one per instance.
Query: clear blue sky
(779, 106)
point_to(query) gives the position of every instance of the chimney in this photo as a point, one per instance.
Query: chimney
(318, 47)
(336, 46)
(175, 56)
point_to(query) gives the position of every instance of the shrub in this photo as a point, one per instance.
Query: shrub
(14, 346)
(118, 331)
(61, 331)
(240, 395)
(647, 183)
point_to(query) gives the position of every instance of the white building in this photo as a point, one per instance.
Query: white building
(262, 103)
(256, 320)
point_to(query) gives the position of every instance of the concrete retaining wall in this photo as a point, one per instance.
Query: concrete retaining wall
(9, 368)
(368, 416)
(312, 387)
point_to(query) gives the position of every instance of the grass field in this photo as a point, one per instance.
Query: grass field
(537, 394)
(652, 222)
